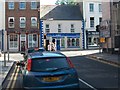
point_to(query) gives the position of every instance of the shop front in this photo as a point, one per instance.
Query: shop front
(65, 41)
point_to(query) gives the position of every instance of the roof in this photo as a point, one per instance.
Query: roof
(46, 54)
(61, 12)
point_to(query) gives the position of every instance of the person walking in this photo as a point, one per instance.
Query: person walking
(49, 47)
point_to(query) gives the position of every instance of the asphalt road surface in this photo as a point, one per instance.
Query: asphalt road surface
(93, 75)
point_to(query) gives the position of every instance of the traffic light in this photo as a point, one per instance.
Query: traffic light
(97, 28)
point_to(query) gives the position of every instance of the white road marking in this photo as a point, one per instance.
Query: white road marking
(87, 84)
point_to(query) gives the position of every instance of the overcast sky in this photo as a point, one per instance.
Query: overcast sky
(47, 2)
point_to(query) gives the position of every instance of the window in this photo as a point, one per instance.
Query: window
(100, 20)
(72, 28)
(33, 21)
(33, 5)
(22, 22)
(100, 8)
(11, 22)
(91, 7)
(32, 40)
(89, 41)
(91, 21)
(47, 29)
(13, 41)
(10, 5)
(68, 42)
(77, 42)
(45, 64)
(62, 42)
(73, 42)
(22, 5)
(59, 27)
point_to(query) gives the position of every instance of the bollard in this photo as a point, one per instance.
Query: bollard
(5, 59)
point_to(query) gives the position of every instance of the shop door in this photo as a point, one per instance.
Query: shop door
(22, 45)
(58, 44)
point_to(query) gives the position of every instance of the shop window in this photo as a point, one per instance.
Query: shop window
(13, 41)
(32, 40)
(77, 42)
(68, 42)
(73, 42)
(62, 42)
(89, 41)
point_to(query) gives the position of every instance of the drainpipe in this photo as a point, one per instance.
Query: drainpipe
(2, 40)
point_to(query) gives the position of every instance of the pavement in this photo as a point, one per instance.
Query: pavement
(110, 58)
(5, 68)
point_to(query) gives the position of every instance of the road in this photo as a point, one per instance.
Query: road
(93, 75)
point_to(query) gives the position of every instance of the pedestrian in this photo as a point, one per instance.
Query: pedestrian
(52, 47)
(49, 47)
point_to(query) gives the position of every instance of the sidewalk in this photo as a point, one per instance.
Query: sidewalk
(4, 70)
(110, 58)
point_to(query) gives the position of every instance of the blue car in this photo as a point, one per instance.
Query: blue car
(49, 70)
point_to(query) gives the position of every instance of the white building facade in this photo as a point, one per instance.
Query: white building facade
(68, 32)
(92, 14)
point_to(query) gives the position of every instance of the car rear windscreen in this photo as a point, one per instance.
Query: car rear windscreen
(48, 64)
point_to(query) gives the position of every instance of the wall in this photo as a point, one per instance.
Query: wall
(65, 26)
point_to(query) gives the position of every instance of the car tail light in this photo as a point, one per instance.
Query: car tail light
(70, 63)
(29, 64)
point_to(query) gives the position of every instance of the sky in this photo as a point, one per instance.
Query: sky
(47, 2)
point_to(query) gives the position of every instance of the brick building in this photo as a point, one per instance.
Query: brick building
(22, 24)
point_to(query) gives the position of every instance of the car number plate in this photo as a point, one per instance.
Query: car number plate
(51, 79)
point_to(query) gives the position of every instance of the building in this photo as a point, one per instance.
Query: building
(92, 13)
(63, 25)
(22, 24)
(110, 26)
(2, 26)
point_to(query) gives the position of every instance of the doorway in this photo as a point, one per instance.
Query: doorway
(22, 45)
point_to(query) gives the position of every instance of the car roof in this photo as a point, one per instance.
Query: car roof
(45, 54)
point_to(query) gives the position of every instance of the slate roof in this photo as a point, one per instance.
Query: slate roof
(63, 12)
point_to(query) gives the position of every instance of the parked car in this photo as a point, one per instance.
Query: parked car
(30, 50)
(49, 70)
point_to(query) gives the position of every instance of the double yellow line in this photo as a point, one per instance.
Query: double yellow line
(13, 78)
